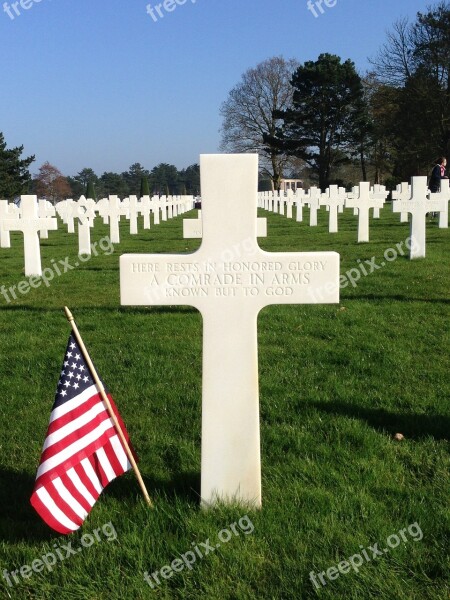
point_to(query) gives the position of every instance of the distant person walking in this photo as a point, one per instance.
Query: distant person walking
(437, 175)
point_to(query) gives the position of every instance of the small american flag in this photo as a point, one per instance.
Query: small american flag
(82, 452)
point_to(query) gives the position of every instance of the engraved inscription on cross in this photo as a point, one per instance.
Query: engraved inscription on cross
(229, 280)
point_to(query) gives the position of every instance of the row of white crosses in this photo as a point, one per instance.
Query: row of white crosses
(276, 201)
(403, 192)
(112, 209)
(35, 218)
(413, 199)
(334, 198)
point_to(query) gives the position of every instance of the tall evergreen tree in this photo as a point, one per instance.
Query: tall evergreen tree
(190, 179)
(90, 190)
(15, 177)
(145, 188)
(113, 184)
(134, 176)
(163, 177)
(328, 106)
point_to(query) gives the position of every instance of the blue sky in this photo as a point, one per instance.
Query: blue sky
(103, 85)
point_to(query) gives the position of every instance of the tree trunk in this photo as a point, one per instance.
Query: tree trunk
(363, 165)
(277, 173)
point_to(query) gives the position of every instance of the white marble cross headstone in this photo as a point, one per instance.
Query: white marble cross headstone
(443, 194)
(102, 209)
(156, 204)
(145, 209)
(334, 199)
(289, 203)
(169, 207)
(379, 192)
(85, 211)
(66, 209)
(363, 200)
(229, 280)
(281, 202)
(163, 207)
(275, 200)
(114, 210)
(299, 199)
(134, 208)
(30, 224)
(403, 192)
(419, 205)
(6, 212)
(313, 201)
(46, 209)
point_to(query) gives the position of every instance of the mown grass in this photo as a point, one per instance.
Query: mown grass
(336, 383)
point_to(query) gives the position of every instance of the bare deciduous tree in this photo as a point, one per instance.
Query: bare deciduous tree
(248, 113)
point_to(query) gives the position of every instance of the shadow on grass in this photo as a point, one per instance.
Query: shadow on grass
(396, 298)
(19, 521)
(104, 309)
(184, 486)
(412, 426)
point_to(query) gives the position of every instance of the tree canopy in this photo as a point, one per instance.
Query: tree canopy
(51, 184)
(15, 177)
(327, 110)
(249, 113)
(415, 61)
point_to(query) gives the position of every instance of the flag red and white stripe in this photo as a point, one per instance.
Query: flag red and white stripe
(82, 452)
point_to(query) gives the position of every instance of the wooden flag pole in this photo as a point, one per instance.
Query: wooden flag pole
(105, 399)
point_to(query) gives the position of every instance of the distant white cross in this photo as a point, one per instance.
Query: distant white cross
(46, 209)
(443, 194)
(135, 209)
(30, 224)
(362, 199)
(418, 206)
(334, 199)
(7, 211)
(146, 207)
(403, 192)
(85, 211)
(313, 201)
(114, 210)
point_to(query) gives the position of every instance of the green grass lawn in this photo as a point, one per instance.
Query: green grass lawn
(336, 383)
